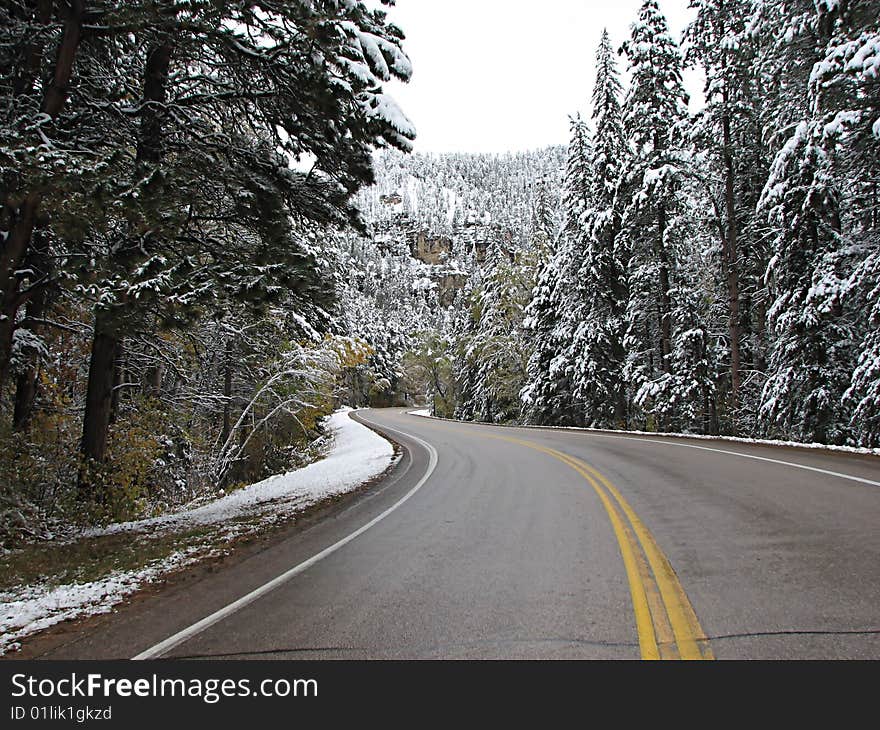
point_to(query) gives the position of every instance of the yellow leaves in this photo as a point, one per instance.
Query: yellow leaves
(350, 351)
(126, 480)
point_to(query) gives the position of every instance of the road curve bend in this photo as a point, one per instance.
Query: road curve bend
(493, 543)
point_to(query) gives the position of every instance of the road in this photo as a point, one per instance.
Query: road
(546, 544)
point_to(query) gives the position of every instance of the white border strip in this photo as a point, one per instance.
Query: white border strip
(165, 646)
(744, 456)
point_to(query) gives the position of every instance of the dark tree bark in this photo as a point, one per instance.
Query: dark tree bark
(23, 207)
(14, 252)
(56, 91)
(106, 348)
(153, 384)
(110, 323)
(731, 260)
(227, 393)
(118, 375)
(25, 397)
(26, 382)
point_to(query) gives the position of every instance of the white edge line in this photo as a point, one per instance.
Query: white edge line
(163, 647)
(744, 456)
(672, 442)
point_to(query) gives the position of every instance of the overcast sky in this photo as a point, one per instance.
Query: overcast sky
(503, 75)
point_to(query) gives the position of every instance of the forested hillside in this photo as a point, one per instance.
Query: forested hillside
(439, 228)
(714, 272)
(718, 272)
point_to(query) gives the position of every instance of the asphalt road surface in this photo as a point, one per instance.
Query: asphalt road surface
(489, 542)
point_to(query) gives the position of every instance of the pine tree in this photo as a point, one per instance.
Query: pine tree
(731, 164)
(578, 175)
(207, 146)
(654, 108)
(847, 89)
(548, 393)
(504, 351)
(811, 348)
(51, 163)
(601, 281)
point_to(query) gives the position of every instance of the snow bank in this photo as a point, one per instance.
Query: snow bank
(33, 608)
(356, 456)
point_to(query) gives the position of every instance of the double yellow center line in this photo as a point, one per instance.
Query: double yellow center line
(666, 623)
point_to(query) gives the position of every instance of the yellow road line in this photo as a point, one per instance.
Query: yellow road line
(665, 618)
(662, 628)
(665, 637)
(689, 635)
(630, 553)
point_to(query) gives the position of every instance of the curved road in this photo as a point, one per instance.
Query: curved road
(546, 543)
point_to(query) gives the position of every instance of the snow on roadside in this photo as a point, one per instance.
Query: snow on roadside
(425, 413)
(37, 607)
(356, 456)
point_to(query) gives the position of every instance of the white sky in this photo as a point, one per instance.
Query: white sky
(504, 75)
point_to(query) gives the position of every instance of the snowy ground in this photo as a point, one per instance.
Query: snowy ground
(426, 413)
(356, 456)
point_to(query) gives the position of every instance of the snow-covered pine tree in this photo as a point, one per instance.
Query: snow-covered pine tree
(730, 162)
(55, 159)
(546, 219)
(847, 86)
(601, 289)
(698, 315)
(548, 393)
(811, 357)
(320, 95)
(578, 175)
(470, 393)
(863, 394)
(654, 107)
(505, 351)
(609, 143)
(546, 396)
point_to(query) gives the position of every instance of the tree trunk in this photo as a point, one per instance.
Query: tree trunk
(731, 261)
(149, 149)
(158, 63)
(26, 383)
(118, 375)
(109, 325)
(106, 348)
(25, 397)
(16, 247)
(18, 240)
(665, 300)
(56, 91)
(227, 394)
(620, 419)
(153, 383)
